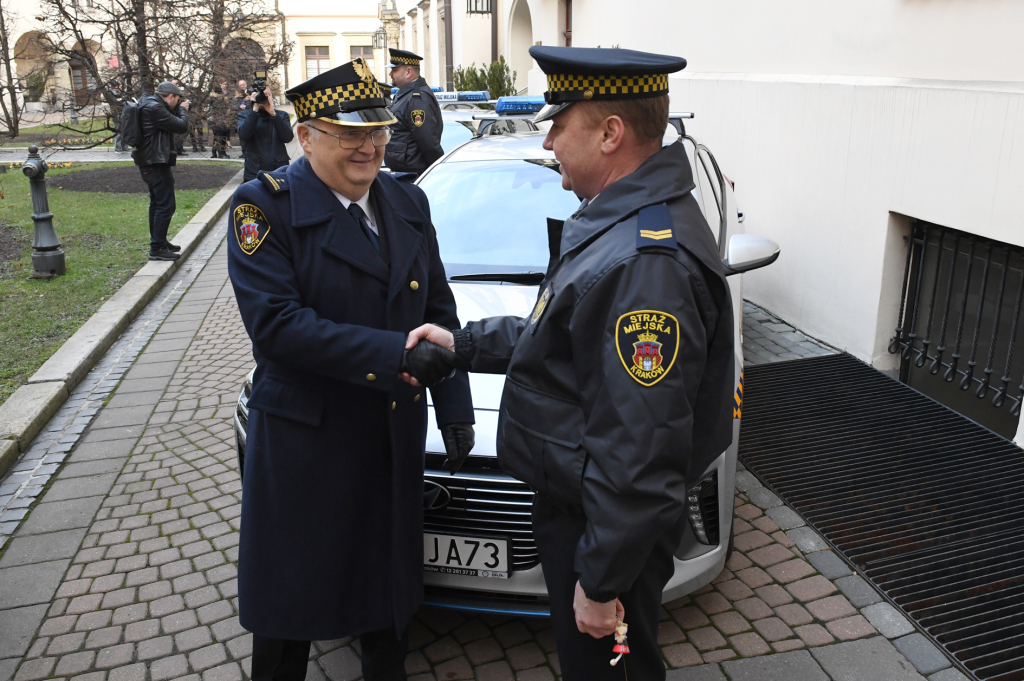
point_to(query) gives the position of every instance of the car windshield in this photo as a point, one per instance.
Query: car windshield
(491, 215)
(455, 133)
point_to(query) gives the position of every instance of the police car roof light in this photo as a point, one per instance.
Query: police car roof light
(519, 104)
(474, 96)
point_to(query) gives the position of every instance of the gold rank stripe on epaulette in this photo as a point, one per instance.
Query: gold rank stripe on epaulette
(274, 184)
(654, 228)
(405, 60)
(321, 100)
(608, 85)
(657, 236)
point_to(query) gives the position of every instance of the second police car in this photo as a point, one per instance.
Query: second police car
(479, 551)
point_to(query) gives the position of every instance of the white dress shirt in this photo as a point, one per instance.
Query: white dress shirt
(363, 203)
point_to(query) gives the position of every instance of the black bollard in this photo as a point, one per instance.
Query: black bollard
(47, 255)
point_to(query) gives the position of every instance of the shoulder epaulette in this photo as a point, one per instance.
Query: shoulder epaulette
(404, 177)
(654, 228)
(415, 94)
(276, 181)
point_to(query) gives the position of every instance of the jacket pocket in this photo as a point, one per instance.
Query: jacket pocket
(305, 405)
(540, 439)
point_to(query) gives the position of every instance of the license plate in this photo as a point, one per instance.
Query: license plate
(473, 556)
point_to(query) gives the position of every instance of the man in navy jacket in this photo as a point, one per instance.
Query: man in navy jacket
(332, 265)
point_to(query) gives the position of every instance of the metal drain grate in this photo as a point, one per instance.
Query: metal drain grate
(928, 504)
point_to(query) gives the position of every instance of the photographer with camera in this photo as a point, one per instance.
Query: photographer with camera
(263, 130)
(161, 116)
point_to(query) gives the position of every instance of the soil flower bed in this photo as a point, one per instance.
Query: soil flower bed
(105, 237)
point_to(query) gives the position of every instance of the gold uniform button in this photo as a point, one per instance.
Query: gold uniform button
(414, 285)
(371, 377)
(394, 405)
(416, 398)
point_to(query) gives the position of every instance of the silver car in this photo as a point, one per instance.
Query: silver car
(489, 202)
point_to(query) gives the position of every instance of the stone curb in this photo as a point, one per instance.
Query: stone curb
(25, 412)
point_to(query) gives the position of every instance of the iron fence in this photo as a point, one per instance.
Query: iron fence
(960, 311)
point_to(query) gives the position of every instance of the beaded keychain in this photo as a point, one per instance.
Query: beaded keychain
(621, 647)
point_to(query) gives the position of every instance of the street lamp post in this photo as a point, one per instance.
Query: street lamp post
(47, 255)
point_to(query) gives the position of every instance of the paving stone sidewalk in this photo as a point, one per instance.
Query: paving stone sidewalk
(124, 567)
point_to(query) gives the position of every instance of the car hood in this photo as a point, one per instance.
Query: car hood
(479, 301)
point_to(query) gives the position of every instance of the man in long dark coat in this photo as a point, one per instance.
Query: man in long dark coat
(332, 265)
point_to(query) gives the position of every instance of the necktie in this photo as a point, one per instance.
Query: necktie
(360, 217)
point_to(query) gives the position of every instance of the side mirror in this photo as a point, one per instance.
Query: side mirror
(748, 252)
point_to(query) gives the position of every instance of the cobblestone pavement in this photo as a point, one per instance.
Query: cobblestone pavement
(123, 570)
(766, 338)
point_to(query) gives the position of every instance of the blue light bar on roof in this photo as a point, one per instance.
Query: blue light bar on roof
(519, 104)
(474, 96)
(436, 88)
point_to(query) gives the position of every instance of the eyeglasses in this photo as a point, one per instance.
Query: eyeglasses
(353, 139)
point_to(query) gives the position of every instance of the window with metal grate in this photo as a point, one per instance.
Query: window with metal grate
(959, 317)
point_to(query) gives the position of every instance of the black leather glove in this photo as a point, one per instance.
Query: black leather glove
(459, 439)
(428, 363)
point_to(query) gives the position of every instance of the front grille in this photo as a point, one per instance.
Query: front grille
(487, 504)
(709, 507)
(243, 417)
(925, 503)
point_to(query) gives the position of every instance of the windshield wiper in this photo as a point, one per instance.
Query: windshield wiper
(527, 278)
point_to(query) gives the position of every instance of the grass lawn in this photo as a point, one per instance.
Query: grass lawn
(105, 239)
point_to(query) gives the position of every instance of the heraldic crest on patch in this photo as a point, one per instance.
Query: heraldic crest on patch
(417, 117)
(647, 341)
(251, 227)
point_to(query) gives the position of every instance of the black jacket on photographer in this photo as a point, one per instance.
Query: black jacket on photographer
(264, 137)
(416, 137)
(158, 124)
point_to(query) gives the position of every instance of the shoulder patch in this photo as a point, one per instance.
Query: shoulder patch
(538, 310)
(251, 227)
(417, 117)
(647, 341)
(654, 228)
(275, 182)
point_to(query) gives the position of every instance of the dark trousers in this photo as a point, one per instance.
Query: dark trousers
(582, 657)
(160, 180)
(383, 655)
(220, 140)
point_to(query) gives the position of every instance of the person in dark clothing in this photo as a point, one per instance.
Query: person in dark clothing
(196, 133)
(220, 120)
(239, 103)
(416, 134)
(619, 386)
(265, 131)
(161, 117)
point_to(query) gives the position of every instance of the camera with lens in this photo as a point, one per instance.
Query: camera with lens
(259, 84)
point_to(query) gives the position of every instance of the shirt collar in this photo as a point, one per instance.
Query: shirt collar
(363, 202)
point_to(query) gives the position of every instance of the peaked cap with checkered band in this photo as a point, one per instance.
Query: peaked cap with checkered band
(403, 58)
(345, 95)
(577, 74)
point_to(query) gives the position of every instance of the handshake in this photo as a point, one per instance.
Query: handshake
(429, 358)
